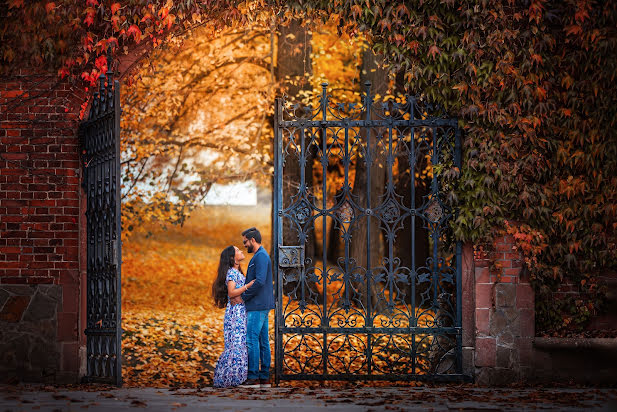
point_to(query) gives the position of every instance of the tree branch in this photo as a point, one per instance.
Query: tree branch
(173, 174)
(137, 178)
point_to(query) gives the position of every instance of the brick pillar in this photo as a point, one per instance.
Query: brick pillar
(40, 221)
(504, 317)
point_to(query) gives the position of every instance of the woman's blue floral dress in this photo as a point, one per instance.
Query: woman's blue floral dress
(232, 367)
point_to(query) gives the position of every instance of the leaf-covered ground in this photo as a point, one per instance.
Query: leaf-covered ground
(173, 334)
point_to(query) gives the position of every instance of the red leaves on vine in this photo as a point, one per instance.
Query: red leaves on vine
(14, 4)
(114, 8)
(89, 16)
(135, 32)
(101, 63)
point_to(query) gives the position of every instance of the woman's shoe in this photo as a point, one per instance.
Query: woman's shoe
(265, 383)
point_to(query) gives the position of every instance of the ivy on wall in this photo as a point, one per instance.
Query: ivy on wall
(532, 82)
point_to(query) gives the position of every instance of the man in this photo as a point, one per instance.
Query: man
(259, 301)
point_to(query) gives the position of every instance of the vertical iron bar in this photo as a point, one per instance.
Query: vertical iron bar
(110, 243)
(369, 270)
(391, 276)
(412, 174)
(324, 166)
(278, 241)
(346, 164)
(89, 220)
(434, 190)
(368, 160)
(97, 253)
(117, 113)
(109, 269)
(301, 194)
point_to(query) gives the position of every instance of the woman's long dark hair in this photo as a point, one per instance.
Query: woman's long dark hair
(219, 287)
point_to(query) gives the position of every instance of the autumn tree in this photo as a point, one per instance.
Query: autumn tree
(196, 115)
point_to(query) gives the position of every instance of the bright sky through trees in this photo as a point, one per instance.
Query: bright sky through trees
(234, 194)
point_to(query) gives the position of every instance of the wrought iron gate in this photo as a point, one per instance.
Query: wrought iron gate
(100, 140)
(343, 314)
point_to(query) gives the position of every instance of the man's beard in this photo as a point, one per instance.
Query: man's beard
(249, 249)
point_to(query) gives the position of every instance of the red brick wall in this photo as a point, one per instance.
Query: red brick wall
(40, 193)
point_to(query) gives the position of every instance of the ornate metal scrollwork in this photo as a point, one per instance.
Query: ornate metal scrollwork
(390, 212)
(434, 211)
(301, 212)
(345, 212)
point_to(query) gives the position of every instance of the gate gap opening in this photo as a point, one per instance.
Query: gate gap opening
(196, 156)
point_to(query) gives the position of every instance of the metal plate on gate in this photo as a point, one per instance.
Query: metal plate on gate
(291, 256)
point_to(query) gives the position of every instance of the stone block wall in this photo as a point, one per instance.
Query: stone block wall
(29, 349)
(41, 212)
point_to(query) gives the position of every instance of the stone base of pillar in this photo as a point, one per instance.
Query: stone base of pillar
(33, 347)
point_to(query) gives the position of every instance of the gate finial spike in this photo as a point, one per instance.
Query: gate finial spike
(367, 87)
(110, 76)
(110, 61)
(324, 99)
(102, 84)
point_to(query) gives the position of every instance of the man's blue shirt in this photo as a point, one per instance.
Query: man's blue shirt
(260, 296)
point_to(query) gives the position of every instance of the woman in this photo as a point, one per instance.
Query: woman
(232, 367)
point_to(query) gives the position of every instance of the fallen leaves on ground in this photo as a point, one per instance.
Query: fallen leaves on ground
(171, 349)
(173, 333)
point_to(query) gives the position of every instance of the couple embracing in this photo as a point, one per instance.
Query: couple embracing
(247, 301)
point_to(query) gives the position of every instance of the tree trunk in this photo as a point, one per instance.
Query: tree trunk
(368, 254)
(293, 61)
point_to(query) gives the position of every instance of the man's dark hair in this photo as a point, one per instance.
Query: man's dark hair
(252, 233)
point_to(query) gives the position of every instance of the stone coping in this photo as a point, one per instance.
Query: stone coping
(575, 343)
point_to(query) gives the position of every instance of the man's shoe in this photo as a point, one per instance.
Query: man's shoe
(250, 383)
(265, 383)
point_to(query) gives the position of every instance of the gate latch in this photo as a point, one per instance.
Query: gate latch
(291, 256)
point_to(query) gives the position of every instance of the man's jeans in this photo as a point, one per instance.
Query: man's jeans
(258, 344)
